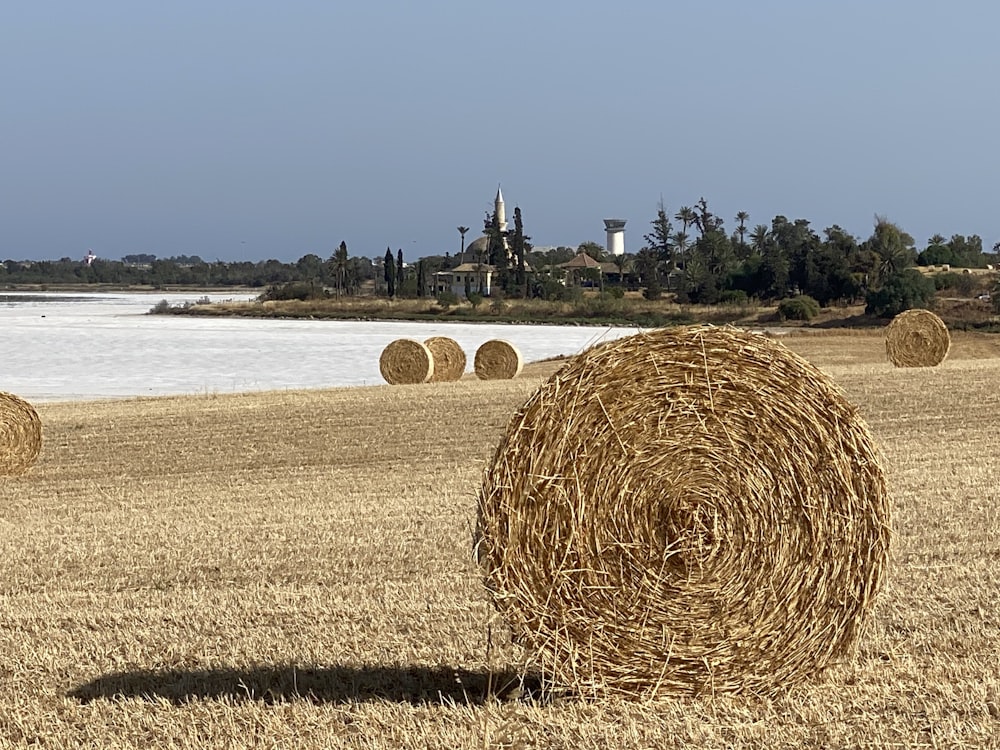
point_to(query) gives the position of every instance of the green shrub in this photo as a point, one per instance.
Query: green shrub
(963, 283)
(947, 280)
(475, 299)
(802, 307)
(901, 291)
(163, 307)
(653, 290)
(447, 299)
(570, 294)
(966, 284)
(615, 292)
(547, 288)
(498, 305)
(300, 290)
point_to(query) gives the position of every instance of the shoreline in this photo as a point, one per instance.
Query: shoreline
(590, 311)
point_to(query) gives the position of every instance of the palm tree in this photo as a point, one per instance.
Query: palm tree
(686, 216)
(894, 260)
(461, 254)
(759, 237)
(892, 245)
(742, 217)
(680, 240)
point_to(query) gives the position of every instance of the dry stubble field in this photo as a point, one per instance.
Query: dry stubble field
(293, 570)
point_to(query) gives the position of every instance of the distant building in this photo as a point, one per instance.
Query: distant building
(576, 266)
(615, 229)
(478, 276)
(89, 257)
(610, 271)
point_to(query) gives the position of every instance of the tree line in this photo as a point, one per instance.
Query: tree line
(703, 263)
(687, 253)
(188, 271)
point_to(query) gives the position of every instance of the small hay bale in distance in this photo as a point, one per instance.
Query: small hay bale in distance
(917, 338)
(20, 435)
(498, 360)
(406, 362)
(449, 359)
(685, 511)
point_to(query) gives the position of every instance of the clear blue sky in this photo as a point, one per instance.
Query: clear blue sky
(247, 130)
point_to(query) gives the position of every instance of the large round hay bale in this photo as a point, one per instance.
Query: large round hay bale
(449, 359)
(498, 360)
(684, 511)
(917, 338)
(406, 361)
(20, 435)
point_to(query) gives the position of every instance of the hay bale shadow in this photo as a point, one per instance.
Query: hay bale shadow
(412, 684)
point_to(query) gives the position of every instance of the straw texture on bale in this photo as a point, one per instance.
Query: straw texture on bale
(20, 435)
(449, 359)
(917, 338)
(686, 511)
(498, 360)
(405, 362)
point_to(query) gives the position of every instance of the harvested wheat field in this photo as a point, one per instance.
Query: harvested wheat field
(294, 570)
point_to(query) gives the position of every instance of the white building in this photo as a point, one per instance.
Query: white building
(616, 236)
(477, 276)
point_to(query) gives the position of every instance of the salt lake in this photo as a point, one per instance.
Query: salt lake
(60, 346)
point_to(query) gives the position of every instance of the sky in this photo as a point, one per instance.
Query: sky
(247, 130)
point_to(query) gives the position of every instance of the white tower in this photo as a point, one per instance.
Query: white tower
(616, 235)
(501, 211)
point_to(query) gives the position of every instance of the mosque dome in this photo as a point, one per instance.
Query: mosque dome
(478, 246)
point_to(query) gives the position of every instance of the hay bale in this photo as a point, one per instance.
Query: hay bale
(917, 338)
(406, 361)
(449, 359)
(20, 435)
(684, 511)
(498, 360)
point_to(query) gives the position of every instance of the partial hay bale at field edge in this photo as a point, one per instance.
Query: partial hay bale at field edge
(20, 435)
(917, 338)
(686, 511)
(449, 359)
(498, 360)
(406, 362)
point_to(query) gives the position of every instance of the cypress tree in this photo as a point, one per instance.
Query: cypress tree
(521, 278)
(389, 269)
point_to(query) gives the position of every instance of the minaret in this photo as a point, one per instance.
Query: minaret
(501, 212)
